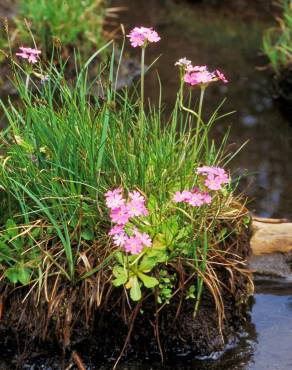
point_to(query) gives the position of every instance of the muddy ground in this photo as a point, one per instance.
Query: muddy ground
(28, 335)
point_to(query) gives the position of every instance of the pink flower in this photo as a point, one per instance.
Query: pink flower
(191, 68)
(198, 78)
(216, 176)
(29, 54)
(140, 36)
(135, 195)
(120, 215)
(200, 75)
(120, 239)
(221, 76)
(118, 229)
(143, 237)
(133, 245)
(30, 51)
(182, 196)
(111, 193)
(207, 198)
(213, 182)
(114, 200)
(206, 170)
(197, 199)
(136, 208)
(22, 55)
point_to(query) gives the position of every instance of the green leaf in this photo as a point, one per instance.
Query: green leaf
(5, 252)
(87, 234)
(18, 273)
(151, 204)
(120, 258)
(12, 274)
(121, 276)
(24, 275)
(36, 232)
(26, 146)
(184, 232)
(11, 228)
(147, 263)
(158, 251)
(148, 281)
(118, 270)
(119, 281)
(223, 233)
(135, 291)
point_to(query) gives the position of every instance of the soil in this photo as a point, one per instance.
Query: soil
(28, 336)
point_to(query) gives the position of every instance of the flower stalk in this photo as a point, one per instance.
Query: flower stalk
(143, 49)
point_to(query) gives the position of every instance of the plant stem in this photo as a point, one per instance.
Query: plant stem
(185, 108)
(199, 117)
(27, 81)
(142, 85)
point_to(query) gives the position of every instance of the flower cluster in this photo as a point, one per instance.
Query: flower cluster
(199, 75)
(195, 198)
(141, 36)
(29, 54)
(215, 177)
(124, 235)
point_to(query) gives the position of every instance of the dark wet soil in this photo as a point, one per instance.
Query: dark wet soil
(171, 332)
(263, 342)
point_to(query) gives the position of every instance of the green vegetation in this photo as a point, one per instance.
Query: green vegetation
(277, 41)
(56, 23)
(71, 141)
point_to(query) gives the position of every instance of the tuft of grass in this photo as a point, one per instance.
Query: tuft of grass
(67, 143)
(61, 23)
(277, 41)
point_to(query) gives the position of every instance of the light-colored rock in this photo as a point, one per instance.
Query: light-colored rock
(271, 236)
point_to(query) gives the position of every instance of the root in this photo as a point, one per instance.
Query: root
(79, 363)
(132, 321)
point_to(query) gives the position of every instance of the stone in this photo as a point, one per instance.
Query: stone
(271, 236)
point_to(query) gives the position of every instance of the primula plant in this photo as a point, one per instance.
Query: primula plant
(108, 197)
(130, 222)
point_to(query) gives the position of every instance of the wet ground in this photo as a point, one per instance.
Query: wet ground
(263, 343)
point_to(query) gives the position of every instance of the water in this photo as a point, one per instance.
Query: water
(230, 40)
